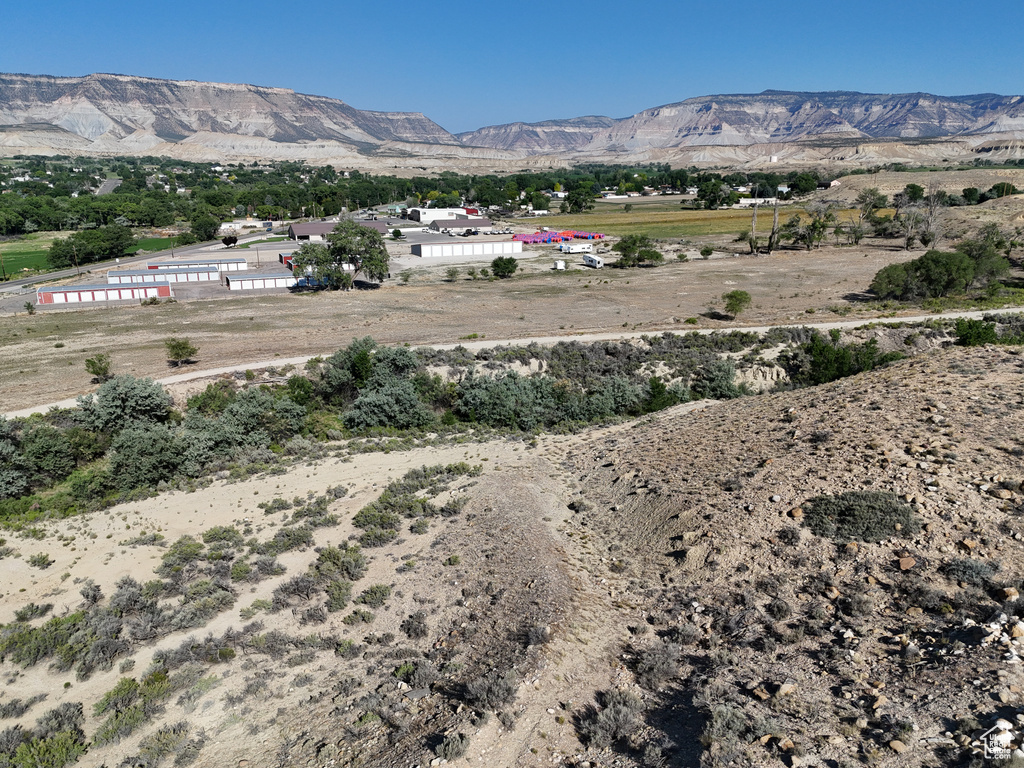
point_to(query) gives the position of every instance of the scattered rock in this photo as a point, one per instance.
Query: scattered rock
(898, 746)
(906, 563)
(1010, 593)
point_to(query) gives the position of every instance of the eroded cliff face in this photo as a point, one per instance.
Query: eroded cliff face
(110, 108)
(125, 115)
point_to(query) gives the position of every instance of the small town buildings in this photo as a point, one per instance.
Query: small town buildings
(227, 264)
(256, 282)
(461, 224)
(131, 276)
(457, 249)
(88, 294)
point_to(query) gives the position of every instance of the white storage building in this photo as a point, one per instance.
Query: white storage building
(198, 275)
(257, 282)
(229, 264)
(87, 294)
(500, 248)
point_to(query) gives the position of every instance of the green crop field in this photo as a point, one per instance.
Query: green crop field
(666, 221)
(27, 253)
(152, 244)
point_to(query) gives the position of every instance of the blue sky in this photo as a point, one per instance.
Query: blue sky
(466, 65)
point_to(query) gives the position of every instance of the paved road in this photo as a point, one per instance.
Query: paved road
(108, 186)
(479, 344)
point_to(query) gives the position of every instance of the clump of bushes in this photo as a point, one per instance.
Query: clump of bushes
(617, 717)
(869, 516)
(493, 690)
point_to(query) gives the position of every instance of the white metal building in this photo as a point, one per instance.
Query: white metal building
(427, 215)
(198, 275)
(87, 294)
(227, 264)
(500, 248)
(260, 282)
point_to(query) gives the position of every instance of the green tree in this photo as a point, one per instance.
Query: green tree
(205, 227)
(451, 274)
(352, 243)
(869, 202)
(914, 193)
(972, 195)
(736, 302)
(319, 266)
(504, 266)
(580, 199)
(98, 367)
(637, 251)
(180, 351)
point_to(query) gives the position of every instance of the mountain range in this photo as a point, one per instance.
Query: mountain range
(127, 115)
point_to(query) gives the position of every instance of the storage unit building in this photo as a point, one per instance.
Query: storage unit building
(232, 264)
(501, 248)
(87, 294)
(198, 275)
(260, 282)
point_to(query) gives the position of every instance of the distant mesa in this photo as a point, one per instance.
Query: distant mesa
(127, 115)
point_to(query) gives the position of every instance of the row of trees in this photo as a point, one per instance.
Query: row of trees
(977, 262)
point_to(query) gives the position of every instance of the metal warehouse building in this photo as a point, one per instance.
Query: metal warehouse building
(233, 264)
(85, 294)
(501, 248)
(198, 275)
(260, 282)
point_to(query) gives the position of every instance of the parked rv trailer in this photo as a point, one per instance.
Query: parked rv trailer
(593, 261)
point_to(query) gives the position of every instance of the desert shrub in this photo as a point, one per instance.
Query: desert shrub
(415, 626)
(144, 456)
(492, 690)
(359, 616)
(975, 333)
(424, 675)
(226, 535)
(618, 717)
(347, 649)
(121, 696)
(32, 611)
(54, 751)
(40, 560)
(715, 381)
(165, 741)
(17, 708)
(656, 664)
(822, 359)
(241, 570)
(120, 724)
(977, 573)
(391, 402)
(125, 400)
(338, 594)
(377, 537)
(779, 609)
(869, 516)
(344, 561)
(181, 557)
(214, 399)
(374, 596)
(48, 454)
(453, 746)
(725, 724)
(286, 539)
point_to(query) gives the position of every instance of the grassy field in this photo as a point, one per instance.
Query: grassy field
(27, 253)
(262, 242)
(152, 244)
(666, 221)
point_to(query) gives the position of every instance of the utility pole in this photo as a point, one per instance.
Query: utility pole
(2, 269)
(74, 251)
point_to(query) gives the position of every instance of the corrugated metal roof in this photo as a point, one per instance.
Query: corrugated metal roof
(103, 287)
(198, 268)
